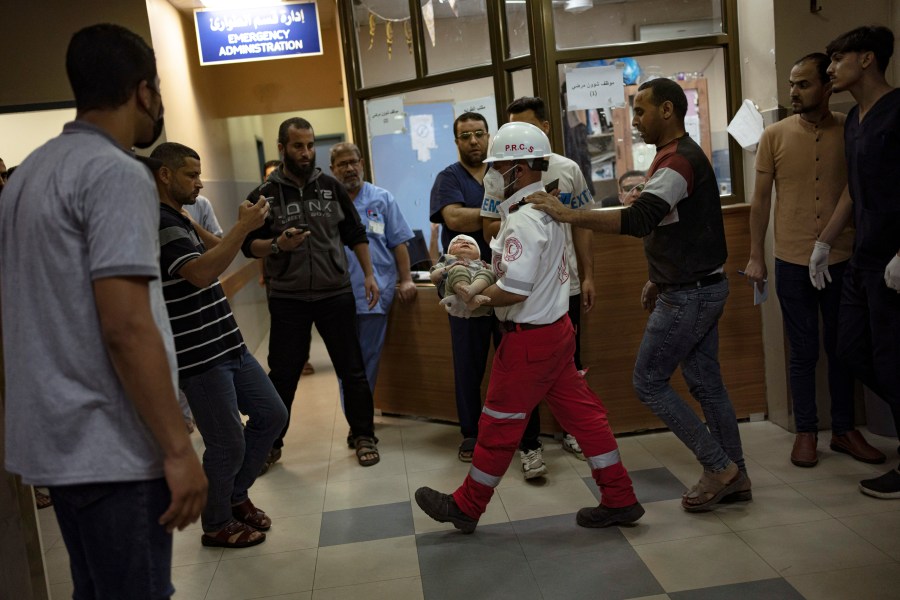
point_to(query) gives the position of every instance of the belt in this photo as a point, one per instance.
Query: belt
(511, 326)
(702, 282)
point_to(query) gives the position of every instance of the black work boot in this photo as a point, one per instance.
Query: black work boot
(443, 509)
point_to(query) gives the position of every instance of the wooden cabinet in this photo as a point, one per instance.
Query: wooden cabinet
(632, 153)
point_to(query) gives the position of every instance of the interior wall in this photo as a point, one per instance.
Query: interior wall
(801, 32)
(33, 41)
(24, 132)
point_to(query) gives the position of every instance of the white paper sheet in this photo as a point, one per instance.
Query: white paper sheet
(747, 126)
(485, 106)
(421, 133)
(595, 87)
(386, 116)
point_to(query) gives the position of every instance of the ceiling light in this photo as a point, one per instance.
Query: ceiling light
(577, 6)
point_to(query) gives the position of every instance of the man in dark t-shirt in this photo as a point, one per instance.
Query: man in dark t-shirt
(217, 373)
(870, 304)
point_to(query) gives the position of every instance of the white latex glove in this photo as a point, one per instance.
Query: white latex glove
(892, 274)
(455, 307)
(818, 265)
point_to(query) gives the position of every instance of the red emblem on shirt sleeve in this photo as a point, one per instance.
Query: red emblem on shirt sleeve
(513, 249)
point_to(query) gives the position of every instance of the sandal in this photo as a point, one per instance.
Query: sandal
(743, 494)
(365, 447)
(466, 450)
(248, 514)
(42, 500)
(708, 492)
(234, 535)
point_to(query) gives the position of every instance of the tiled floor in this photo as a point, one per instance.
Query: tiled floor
(344, 532)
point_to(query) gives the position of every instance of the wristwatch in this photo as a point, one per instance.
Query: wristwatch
(275, 248)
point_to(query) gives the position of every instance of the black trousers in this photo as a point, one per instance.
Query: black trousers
(868, 334)
(335, 320)
(533, 428)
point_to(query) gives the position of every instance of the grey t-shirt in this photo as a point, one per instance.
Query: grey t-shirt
(80, 208)
(202, 212)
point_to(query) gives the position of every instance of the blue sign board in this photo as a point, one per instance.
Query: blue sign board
(246, 34)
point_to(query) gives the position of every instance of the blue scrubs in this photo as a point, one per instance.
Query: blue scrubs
(386, 229)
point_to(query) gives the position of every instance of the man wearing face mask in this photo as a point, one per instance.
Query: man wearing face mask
(455, 203)
(534, 360)
(96, 418)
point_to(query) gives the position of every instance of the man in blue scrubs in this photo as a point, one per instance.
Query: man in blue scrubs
(870, 304)
(456, 198)
(388, 233)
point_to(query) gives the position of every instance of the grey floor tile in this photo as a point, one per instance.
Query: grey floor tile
(615, 573)
(365, 524)
(650, 485)
(551, 537)
(486, 583)
(447, 551)
(764, 589)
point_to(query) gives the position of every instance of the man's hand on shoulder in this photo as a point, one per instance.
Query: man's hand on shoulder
(551, 205)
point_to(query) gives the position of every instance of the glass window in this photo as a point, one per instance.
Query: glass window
(581, 23)
(523, 84)
(406, 162)
(382, 62)
(460, 40)
(604, 137)
(517, 26)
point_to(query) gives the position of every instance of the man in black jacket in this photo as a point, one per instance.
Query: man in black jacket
(303, 243)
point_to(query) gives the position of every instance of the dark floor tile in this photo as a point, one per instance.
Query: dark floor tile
(615, 573)
(368, 523)
(764, 589)
(560, 535)
(445, 551)
(486, 583)
(650, 485)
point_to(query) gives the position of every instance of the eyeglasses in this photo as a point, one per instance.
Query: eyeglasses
(628, 188)
(347, 163)
(478, 133)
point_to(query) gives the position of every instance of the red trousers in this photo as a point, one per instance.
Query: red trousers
(530, 365)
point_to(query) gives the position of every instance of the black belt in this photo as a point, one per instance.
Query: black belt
(702, 282)
(511, 326)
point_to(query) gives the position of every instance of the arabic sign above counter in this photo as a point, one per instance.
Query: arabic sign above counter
(595, 87)
(248, 34)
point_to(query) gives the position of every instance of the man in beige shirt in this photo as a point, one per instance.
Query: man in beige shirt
(803, 156)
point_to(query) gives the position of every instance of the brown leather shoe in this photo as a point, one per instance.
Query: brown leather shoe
(854, 444)
(804, 451)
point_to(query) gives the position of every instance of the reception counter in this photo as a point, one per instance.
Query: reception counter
(416, 375)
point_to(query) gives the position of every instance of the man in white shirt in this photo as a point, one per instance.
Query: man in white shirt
(534, 360)
(564, 175)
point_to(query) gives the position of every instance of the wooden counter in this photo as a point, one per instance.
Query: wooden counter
(416, 374)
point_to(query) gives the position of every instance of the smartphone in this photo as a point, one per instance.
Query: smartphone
(302, 227)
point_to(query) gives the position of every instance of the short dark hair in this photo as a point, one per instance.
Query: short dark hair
(821, 61)
(344, 147)
(296, 123)
(872, 38)
(469, 116)
(105, 64)
(632, 173)
(172, 154)
(666, 90)
(271, 163)
(532, 103)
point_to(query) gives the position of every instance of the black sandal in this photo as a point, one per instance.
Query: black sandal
(234, 535)
(466, 450)
(365, 446)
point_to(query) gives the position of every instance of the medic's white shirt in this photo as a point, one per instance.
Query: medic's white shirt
(573, 192)
(529, 259)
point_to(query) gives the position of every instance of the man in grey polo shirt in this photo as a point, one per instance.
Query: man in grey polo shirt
(90, 364)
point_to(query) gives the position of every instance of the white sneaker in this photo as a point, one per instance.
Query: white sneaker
(533, 463)
(570, 444)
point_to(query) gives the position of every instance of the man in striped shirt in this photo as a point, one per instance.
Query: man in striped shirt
(217, 373)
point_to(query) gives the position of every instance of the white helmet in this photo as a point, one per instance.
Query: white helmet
(518, 141)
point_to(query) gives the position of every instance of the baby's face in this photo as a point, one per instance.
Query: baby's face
(463, 248)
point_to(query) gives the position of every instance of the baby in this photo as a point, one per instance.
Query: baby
(467, 275)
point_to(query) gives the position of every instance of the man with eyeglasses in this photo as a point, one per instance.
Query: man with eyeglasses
(388, 233)
(456, 204)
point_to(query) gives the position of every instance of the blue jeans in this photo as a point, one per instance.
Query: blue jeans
(800, 306)
(234, 453)
(117, 548)
(683, 330)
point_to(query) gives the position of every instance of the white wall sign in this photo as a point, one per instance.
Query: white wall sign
(595, 87)
(486, 106)
(386, 116)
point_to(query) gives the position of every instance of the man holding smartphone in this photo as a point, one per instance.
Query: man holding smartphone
(312, 219)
